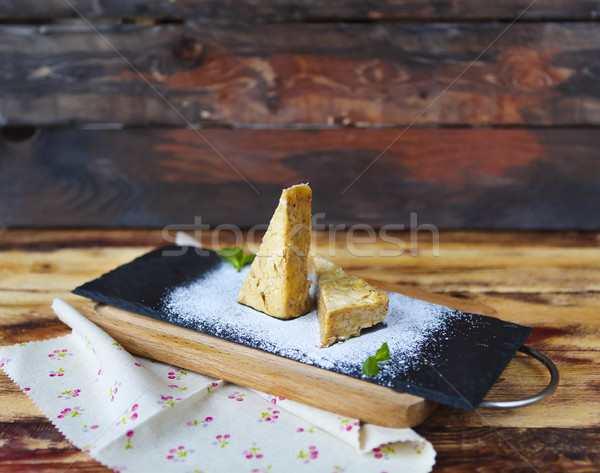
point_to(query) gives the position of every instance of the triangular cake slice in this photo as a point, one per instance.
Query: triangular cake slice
(278, 282)
(345, 304)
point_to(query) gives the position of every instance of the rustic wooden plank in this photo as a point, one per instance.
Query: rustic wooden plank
(22, 409)
(450, 178)
(578, 389)
(448, 272)
(40, 447)
(353, 74)
(301, 10)
(514, 450)
(486, 280)
(51, 239)
(525, 274)
(559, 434)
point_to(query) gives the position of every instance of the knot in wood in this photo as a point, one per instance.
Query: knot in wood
(189, 52)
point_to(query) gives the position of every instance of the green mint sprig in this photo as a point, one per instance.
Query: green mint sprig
(236, 257)
(371, 366)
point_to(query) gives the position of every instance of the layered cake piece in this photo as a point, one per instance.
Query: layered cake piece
(278, 282)
(345, 304)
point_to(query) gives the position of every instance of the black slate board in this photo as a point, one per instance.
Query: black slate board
(461, 366)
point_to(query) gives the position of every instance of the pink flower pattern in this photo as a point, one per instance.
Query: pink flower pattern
(418, 447)
(59, 354)
(178, 454)
(270, 416)
(176, 374)
(68, 412)
(383, 452)
(169, 401)
(203, 423)
(250, 450)
(348, 424)
(253, 452)
(69, 394)
(129, 435)
(275, 399)
(222, 440)
(87, 448)
(59, 372)
(129, 415)
(310, 455)
(238, 396)
(310, 430)
(114, 389)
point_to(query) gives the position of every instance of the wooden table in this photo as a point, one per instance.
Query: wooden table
(550, 281)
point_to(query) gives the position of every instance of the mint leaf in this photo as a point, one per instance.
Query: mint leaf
(247, 259)
(383, 353)
(235, 257)
(232, 256)
(230, 252)
(370, 367)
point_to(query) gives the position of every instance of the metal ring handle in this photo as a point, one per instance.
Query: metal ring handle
(547, 362)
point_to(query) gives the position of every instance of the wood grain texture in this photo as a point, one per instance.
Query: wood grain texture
(40, 447)
(309, 74)
(519, 243)
(557, 435)
(511, 450)
(451, 178)
(301, 10)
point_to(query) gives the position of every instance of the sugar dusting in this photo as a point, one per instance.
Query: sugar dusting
(209, 304)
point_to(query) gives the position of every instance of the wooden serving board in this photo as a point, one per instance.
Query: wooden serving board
(271, 373)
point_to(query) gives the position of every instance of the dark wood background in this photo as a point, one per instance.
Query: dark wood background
(152, 112)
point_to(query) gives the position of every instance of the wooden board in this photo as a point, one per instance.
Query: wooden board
(451, 178)
(259, 370)
(312, 74)
(264, 371)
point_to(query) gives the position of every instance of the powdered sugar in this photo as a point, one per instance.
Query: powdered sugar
(210, 305)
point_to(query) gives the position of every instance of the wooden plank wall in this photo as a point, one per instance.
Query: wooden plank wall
(146, 113)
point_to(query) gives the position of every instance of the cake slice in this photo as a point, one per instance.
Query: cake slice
(277, 283)
(345, 304)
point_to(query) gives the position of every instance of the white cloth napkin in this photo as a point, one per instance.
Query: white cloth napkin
(137, 415)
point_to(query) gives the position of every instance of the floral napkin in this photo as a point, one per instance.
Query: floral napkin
(137, 415)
